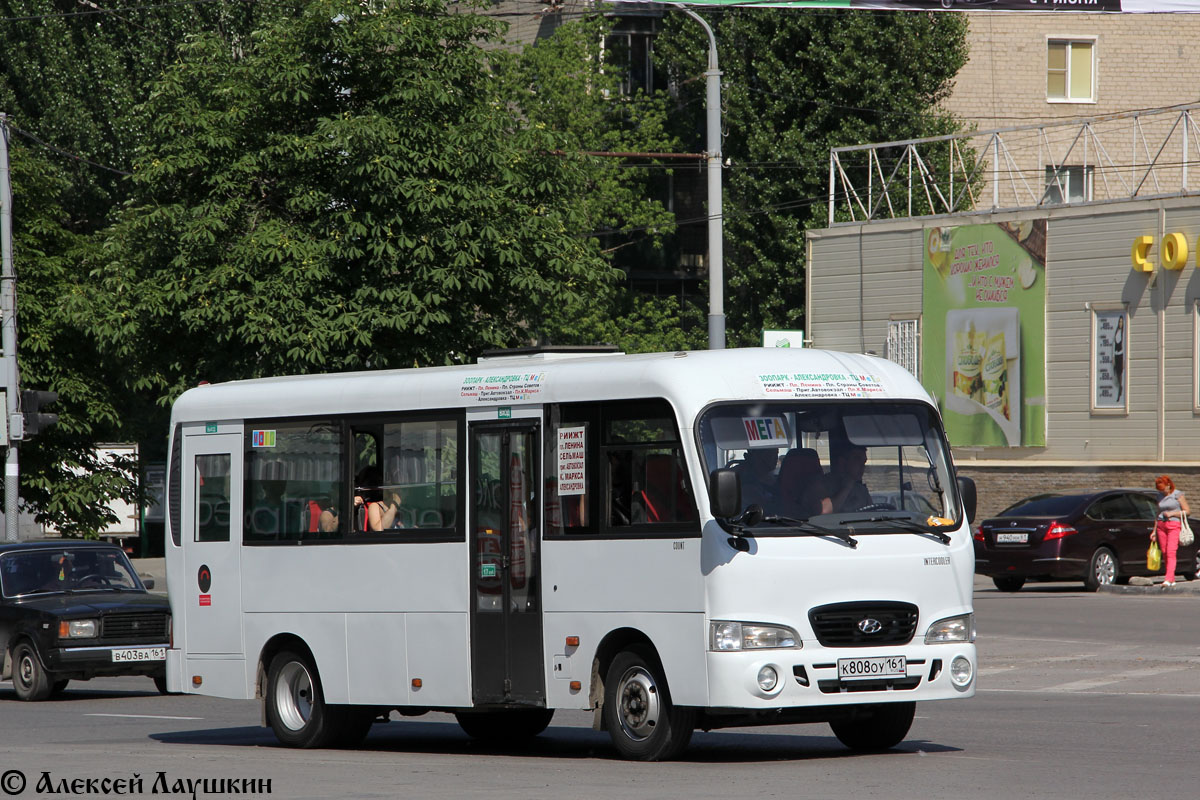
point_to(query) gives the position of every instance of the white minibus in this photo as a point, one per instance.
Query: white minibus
(672, 541)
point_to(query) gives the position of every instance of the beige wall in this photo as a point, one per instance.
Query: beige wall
(1142, 61)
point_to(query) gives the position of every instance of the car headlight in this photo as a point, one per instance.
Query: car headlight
(952, 629)
(78, 629)
(751, 636)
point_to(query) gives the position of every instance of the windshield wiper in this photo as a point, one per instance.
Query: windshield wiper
(804, 526)
(907, 523)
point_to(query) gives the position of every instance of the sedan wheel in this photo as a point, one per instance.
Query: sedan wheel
(29, 677)
(1102, 570)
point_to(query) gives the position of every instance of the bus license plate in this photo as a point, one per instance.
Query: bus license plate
(1012, 538)
(140, 654)
(852, 669)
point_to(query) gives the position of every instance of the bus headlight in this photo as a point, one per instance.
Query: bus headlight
(725, 636)
(952, 629)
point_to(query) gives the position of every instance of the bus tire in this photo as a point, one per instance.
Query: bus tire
(29, 678)
(509, 724)
(296, 708)
(642, 722)
(874, 728)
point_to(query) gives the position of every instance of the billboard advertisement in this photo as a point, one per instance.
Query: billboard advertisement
(983, 344)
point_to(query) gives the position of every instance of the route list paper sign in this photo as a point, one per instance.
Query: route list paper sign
(516, 387)
(571, 461)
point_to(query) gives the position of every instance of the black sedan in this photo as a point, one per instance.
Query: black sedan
(72, 610)
(1097, 536)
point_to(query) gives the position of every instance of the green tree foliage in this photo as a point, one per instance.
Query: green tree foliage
(795, 84)
(560, 83)
(355, 188)
(71, 81)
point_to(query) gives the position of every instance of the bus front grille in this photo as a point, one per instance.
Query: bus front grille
(864, 624)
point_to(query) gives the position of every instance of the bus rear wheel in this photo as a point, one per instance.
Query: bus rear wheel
(641, 719)
(298, 713)
(515, 723)
(880, 727)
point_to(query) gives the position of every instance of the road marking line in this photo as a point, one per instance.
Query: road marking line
(1108, 680)
(140, 716)
(1171, 695)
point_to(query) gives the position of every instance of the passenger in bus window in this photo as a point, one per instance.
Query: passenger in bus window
(757, 471)
(375, 508)
(801, 485)
(385, 514)
(322, 518)
(844, 484)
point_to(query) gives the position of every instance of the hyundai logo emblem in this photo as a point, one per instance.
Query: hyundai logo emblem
(870, 625)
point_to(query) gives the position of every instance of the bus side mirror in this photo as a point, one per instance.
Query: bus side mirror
(725, 493)
(966, 488)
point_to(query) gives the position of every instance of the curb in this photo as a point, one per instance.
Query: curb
(1180, 588)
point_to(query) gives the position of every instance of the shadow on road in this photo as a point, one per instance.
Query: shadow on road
(446, 738)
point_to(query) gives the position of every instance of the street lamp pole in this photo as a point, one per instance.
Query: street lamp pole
(716, 266)
(8, 341)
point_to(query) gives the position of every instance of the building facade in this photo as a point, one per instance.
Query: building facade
(1063, 344)
(1041, 69)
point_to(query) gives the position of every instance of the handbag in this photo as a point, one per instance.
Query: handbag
(1154, 557)
(1186, 536)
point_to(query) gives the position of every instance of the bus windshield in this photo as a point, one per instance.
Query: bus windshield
(864, 462)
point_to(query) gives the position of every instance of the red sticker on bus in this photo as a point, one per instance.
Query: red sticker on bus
(206, 599)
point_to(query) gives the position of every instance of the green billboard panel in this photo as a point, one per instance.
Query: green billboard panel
(983, 348)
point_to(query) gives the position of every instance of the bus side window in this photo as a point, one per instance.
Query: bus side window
(293, 485)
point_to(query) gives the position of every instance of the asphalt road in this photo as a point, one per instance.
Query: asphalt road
(1081, 695)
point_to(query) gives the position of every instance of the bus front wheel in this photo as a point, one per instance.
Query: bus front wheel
(880, 727)
(641, 719)
(298, 713)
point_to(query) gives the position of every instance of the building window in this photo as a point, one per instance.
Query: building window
(1196, 359)
(1110, 364)
(1066, 184)
(1071, 71)
(904, 344)
(629, 48)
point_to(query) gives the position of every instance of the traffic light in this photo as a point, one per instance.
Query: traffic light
(32, 403)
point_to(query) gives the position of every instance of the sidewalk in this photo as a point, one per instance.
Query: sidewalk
(155, 568)
(1153, 586)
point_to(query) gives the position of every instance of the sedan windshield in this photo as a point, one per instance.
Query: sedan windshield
(44, 571)
(805, 460)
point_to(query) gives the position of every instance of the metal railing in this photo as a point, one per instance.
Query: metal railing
(1138, 154)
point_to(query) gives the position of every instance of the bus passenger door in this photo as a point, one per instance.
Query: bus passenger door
(212, 542)
(506, 615)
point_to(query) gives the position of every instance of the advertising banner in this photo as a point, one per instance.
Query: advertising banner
(983, 343)
(1108, 365)
(1057, 6)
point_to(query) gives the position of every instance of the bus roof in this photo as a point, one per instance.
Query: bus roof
(690, 380)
